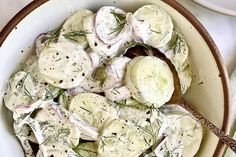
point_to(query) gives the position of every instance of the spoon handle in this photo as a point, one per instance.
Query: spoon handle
(230, 142)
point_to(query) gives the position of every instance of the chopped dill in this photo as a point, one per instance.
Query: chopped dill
(62, 93)
(54, 35)
(121, 21)
(72, 35)
(63, 131)
(28, 93)
(155, 31)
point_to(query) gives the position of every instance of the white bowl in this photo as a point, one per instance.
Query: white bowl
(209, 93)
(226, 7)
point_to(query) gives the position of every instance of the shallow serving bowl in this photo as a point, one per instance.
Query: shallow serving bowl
(209, 93)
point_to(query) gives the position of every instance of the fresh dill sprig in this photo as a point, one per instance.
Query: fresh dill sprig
(179, 43)
(120, 20)
(72, 35)
(28, 93)
(54, 35)
(62, 93)
(155, 31)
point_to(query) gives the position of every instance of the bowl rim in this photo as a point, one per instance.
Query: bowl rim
(191, 18)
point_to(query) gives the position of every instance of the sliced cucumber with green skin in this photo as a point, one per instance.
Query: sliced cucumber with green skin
(161, 25)
(93, 109)
(121, 139)
(64, 64)
(110, 24)
(86, 149)
(73, 29)
(150, 81)
(184, 134)
(20, 90)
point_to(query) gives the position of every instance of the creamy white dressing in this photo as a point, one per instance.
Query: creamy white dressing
(79, 96)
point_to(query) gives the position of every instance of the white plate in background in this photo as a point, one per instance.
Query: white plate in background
(223, 6)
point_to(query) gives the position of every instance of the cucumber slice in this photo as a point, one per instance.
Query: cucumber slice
(149, 120)
(121, 139)
(184, 134)
(118, 66)
(151, 81)
(160, 22)
(118, 94)
(178, 54)
(140, 30)
(20, 90)
(128, 78)
(73, 29)
(179, 51)
(44, 90)
(93, 109)
(105, 50)
(111, 25)
(64, 64)
(141, 115)
(56, 126)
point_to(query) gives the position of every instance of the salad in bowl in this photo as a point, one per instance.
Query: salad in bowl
(95, 87)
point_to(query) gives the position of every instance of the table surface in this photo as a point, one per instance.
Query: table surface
(221, 27)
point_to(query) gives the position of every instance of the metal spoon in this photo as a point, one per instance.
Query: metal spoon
(177, 97)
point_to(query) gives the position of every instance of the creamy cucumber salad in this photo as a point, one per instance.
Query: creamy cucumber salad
(81, 95)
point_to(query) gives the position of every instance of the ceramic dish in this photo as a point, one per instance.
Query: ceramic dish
(208, 94)
(226, 7)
